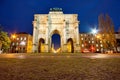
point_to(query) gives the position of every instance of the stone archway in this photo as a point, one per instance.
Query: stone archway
(52, 45)
(66, 25)
(70, 45)
(41, 46)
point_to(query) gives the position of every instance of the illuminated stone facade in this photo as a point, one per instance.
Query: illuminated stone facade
(56, 22)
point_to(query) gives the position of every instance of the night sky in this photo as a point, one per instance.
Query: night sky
(17, 15)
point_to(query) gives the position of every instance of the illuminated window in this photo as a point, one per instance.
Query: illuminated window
(101, 45)
(82, 45)
(96, 45)
(92, 38)
(97, 49)
(100, 41)
(81, 34)
(92, 41)
(81, 38)
(21, 38)
(89, 41)
(24, 38)
(23, 43)
(17, 43)
(17, 38)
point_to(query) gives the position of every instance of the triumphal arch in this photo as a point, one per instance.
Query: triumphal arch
(56, 22)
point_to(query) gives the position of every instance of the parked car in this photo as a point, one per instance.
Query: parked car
(85, 51)
(109, 51)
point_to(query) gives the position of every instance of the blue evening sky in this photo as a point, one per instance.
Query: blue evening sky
(17, 15)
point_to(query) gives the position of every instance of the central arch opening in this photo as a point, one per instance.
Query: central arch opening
(56, 42)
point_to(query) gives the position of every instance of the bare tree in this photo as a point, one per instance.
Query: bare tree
(106, 29)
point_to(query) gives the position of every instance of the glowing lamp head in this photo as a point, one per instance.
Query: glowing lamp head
(13, 36)
(94, 31)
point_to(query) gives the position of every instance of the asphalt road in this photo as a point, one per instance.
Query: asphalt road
(88, 55)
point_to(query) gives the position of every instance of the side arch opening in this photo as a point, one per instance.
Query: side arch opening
(70, 45)
(41, 47)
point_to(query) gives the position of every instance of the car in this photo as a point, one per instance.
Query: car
(109, 51)
(85, 51)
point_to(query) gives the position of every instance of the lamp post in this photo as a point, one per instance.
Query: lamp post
(94, 32)
(13, 47)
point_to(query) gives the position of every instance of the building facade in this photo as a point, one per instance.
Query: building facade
(21, 43)
(117, 36)
(56, 22)
(93, 43)
(90, 42)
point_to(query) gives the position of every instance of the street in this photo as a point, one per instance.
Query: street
(61, 66)
(52, 55)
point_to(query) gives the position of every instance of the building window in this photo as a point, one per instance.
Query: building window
(21, 38)
(17, 43)
(24, 38)
(96, 45)
(22, 43)
(92, 38)
(100, 41)
(82, 45)
(81, 38)
(92, 41)
(97, 49)
(96, 42)
(17, 38)
(89, 41)
(81, 34)
(24, 48)
(101, 45)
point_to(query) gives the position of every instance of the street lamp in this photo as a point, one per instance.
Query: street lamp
(13, 41)
(94, 31)
(13, 36)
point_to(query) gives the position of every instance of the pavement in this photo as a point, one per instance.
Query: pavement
(84, 55)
